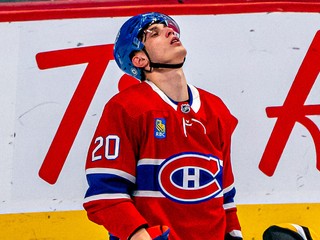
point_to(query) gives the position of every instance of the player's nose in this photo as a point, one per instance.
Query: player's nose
(169, 32)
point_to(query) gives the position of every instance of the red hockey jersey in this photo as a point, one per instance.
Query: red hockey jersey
(156, 162)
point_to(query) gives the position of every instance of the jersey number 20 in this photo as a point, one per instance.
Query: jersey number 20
(111, 146)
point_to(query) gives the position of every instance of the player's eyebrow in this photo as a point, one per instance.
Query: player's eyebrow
(152, 28)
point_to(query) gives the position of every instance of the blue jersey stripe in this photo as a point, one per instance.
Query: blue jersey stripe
(147, 177)
(229, 196)
(103, 183)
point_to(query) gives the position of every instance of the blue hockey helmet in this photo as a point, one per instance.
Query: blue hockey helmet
(129, 39)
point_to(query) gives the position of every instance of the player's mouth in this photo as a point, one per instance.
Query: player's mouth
(175, 40)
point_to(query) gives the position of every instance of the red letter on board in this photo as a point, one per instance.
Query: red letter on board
(294, 110)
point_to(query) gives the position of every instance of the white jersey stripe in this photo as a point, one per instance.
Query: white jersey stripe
(148, 194)
(229, 205)
(113, 171)
(106, 197)
(150, 161)
(228, 189)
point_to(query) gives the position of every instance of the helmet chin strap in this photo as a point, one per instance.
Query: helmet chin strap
(166, 65)
(161, 65)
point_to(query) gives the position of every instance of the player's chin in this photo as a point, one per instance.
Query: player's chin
(180, 54)
(183, 54)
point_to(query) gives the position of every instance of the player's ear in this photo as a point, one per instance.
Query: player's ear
(140, 59)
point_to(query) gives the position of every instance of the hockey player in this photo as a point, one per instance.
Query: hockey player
(159, 160)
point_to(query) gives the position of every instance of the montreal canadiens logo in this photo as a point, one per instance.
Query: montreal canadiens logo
(191, 177)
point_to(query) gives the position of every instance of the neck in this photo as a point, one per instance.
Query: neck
(172, 82)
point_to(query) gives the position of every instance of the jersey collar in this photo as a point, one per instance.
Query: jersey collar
(194, 97)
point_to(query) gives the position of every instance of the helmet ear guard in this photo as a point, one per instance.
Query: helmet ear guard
(129, 41)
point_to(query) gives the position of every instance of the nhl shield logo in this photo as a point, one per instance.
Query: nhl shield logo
(160, 128)
(185, 108)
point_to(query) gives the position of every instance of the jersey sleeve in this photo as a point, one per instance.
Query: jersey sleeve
(110, 172)
(228, 125)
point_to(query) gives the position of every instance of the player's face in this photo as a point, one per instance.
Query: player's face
(163, 44)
